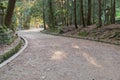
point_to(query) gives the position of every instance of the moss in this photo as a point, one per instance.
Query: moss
(10, 53)
(83, 33)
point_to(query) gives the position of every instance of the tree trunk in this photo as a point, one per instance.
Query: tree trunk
(67, 15)
(44, 15)
(75, 15)
(93, 12)
(82, 13)
(89, 13)
(114, 11)
(111, 12)
(9, 14)
(51, 16)
(99, 14)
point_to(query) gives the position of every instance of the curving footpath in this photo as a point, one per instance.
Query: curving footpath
(15, 55)
(50, 57)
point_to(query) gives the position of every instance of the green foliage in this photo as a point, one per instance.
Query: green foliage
(22, 16)
(61, 12)
(30, 12)
(6, 35)
(83, 33)
(36, 10)
(3, 29)
(3, 5)
(60, 29)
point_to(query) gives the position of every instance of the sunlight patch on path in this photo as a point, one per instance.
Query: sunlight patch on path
(75, 46)
(58, 55)
(91, 60)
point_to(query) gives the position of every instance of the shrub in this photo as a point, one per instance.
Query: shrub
(6, 35)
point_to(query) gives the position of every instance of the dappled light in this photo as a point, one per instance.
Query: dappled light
(91, 60)
(75, 46)
(58, 55)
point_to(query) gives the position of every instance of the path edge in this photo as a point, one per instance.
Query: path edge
(16, 54)
(83, 38)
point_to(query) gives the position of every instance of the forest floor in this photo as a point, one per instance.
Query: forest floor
(109, 33)
(49, 57)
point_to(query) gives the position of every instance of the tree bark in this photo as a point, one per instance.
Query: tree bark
(67, 15)
(51, 16)
(44, 15)
(89, 13)
(9, 14)
(99, 14)
(114, 11)
(75, 16)
(82, 13)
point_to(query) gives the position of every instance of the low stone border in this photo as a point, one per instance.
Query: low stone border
(16, 54)
(55, 34)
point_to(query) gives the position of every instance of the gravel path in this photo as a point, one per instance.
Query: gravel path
(50, 57)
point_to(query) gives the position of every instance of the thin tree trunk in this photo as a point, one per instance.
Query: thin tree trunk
(75, 15)
(51, 16)
(62, 16)
(67, 15)
(114, 11)
(93, 13)
(99, 14)
(44, 15)
(82, 13)
(89, 13)
(111, 12)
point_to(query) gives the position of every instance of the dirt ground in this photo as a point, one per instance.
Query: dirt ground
(110, 33)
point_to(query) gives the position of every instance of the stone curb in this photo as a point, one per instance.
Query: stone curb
(80, 38)
(16, 55)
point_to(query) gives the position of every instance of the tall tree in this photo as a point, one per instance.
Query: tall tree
(114, 11)
(82, 13)
(89, 13)
(75, 14)
(51, 15)
(67, 14)
(10, 11)
(44, 14)
(99, 13)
